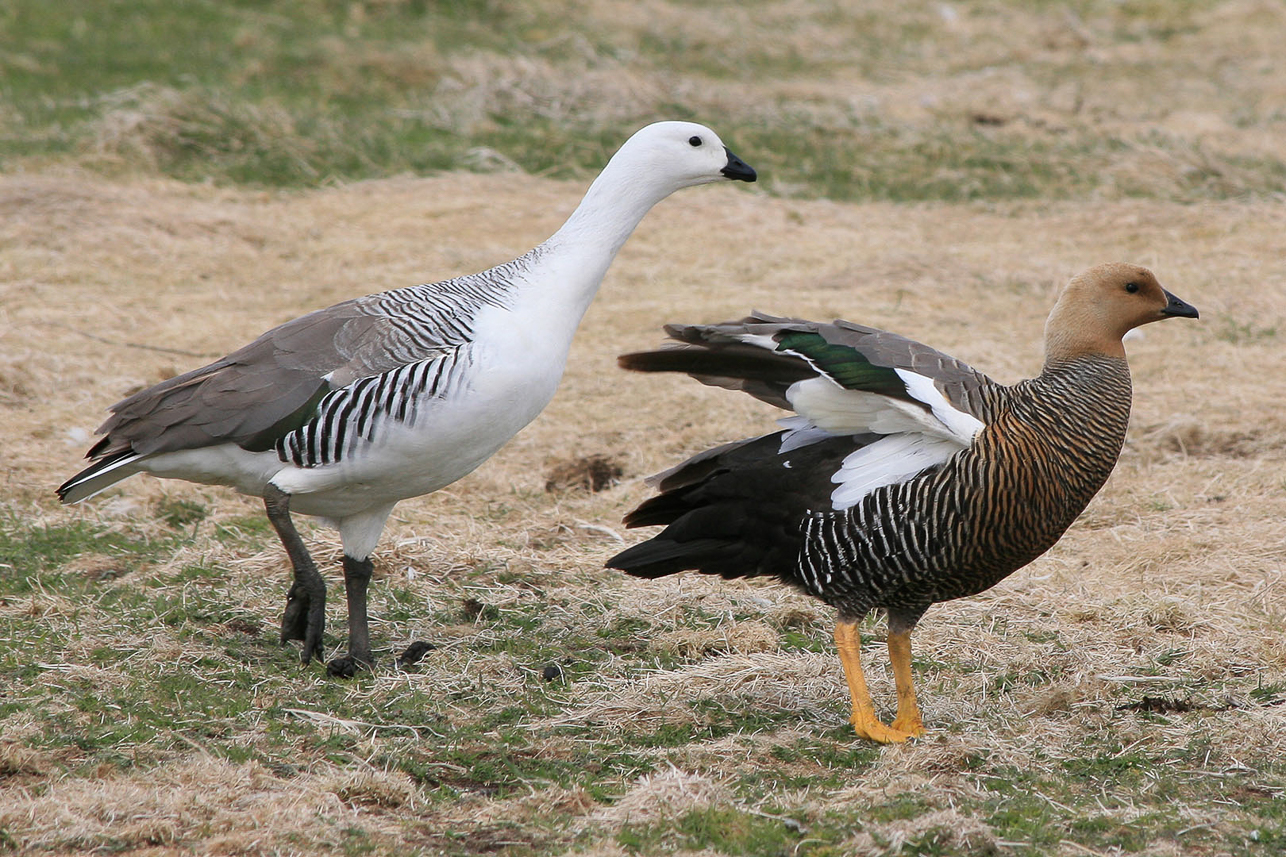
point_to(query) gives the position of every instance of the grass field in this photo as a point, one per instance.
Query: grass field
(177, 177)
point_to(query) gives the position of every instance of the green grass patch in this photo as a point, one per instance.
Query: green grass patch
(300, 93)
(26, 551)
(180, 513)
(245, 531)
(1129, 802)
(726, 830)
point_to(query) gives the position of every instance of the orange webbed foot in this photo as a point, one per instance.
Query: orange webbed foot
(864, 721)
(872, 729)
(909, 725)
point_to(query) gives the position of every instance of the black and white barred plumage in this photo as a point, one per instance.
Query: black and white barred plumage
(431, 331)
(346, 411)
(907, 478)
(986, 506)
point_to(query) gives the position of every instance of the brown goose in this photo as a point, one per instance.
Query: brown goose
(907, 478)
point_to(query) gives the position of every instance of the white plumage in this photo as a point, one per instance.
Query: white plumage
(343, 412)
(914, 438)
(892, 459)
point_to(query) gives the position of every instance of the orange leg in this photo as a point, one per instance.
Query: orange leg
(864, 721)
(908, 719)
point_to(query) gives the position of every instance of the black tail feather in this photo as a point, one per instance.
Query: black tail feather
(93, 479)
(761, 373)
(735, 511)
(728, 360)
(660, 557)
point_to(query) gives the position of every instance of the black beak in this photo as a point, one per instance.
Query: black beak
(738, 169)
(1178, 308)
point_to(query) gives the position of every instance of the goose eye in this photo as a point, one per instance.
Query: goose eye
(694, 141)
(1131, 287)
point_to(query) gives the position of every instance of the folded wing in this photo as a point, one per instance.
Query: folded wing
(906, 406)
(332, 365)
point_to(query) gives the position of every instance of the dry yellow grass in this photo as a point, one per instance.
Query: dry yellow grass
(1172, 585)
(1182, 551)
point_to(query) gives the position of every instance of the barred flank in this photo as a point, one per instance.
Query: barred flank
(948, 532)
(352, 414)
(435, 332)
(993, 508)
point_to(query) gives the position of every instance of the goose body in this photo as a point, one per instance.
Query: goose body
(343, 412)
(401, 433)
(907, 478)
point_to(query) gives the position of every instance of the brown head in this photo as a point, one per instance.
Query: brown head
(1098, 307)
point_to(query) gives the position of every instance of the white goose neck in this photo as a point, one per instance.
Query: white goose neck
(578, 255)
(612, 207)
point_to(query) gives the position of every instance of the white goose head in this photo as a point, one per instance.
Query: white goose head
(675, 155)
(656, 161)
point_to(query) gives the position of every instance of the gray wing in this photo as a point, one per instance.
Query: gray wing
(273, 386)
(240, 397)
(963, 386)
(764, 355)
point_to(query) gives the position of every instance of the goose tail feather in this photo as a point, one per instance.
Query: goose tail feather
(100, 475)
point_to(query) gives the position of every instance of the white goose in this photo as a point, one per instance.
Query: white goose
(345, 411)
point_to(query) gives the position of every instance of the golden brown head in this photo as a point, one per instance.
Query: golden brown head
(1098, 307)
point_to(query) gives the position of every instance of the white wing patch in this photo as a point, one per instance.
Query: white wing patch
(962, 426)
(915, 438)
(759, 340)
(799, 433)
(887, 461)
(830, 407)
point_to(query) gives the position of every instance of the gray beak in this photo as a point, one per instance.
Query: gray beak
(738, 169)
(1178, 308)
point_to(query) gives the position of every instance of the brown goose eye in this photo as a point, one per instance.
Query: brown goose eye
(1131, 287)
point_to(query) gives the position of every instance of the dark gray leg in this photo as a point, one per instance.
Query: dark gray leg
(357, 574)
(305, 616)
